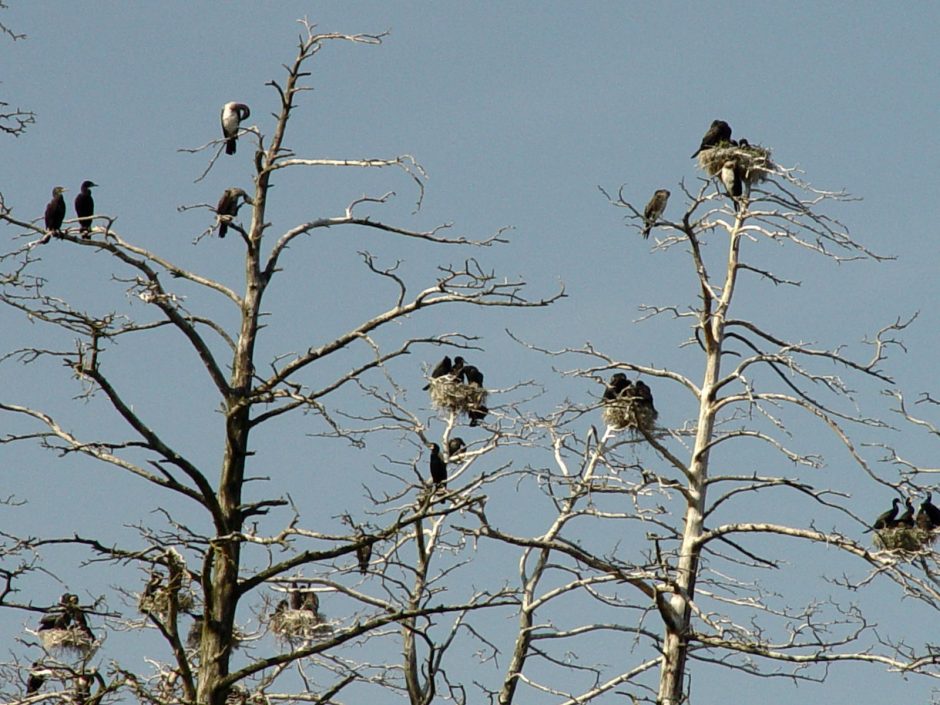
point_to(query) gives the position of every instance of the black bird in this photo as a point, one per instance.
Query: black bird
(472, 375)
(645, 394)
(228, 206)
(719, 132)
(617, 385)
(60, 616)
(55, 211)
(438, 465)
(364, 555)
(457, 369)
(886, 520)
(906, 520)
(731, 178)
(280, 608)
(930, 514)
(442, 368)
(37, 676)
(477, 414)
(455, 446)
(304, 600)
(232, 116)
(654, 209)
(85, 208)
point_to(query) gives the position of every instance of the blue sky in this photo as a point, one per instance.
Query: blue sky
(518, 112)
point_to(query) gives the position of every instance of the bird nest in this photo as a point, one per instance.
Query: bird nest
(72, 638)
(903, 538)
(159, 602)
(451, 395)
(298, 624)
(752, 161)
(629, 412)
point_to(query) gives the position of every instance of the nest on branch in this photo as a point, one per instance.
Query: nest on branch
(752, 162)
(157, 602)
(450, 394)
(292, 624)
(629, 412)
(73, 638)
(903, 538)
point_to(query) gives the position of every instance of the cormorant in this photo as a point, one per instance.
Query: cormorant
(442, 368)
(645, 395)
(232, 116)
(930, 513)
(719, 132)
(654, 209)
(471, 374)
(280, 608)
(437, 465)
(457, 369)
(310, 601)
(37, 676)
(455, 446)
(477, 414)
(907, 518)
(55, 211)
(886, 520)
(85, 208)
(364, 555)
(743, 143)
(731, 178)
(153, 585)
(228, 206)
(617, 385)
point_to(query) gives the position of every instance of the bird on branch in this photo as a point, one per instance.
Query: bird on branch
(654, 209)
(233, 114)
(55, 211)
(85, 208)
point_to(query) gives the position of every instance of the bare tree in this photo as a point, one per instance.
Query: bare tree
(13, 121)
(201, 575)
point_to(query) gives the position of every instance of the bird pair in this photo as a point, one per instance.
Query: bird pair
(84, 209)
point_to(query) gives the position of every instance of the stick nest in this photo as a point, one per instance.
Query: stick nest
(752, 162)
(159, 603)
(298, 624)
(629, 412)
(903, 538)
(73, 639)
(452, 395)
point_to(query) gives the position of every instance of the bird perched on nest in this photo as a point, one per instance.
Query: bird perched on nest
(617, 385)
(85, 208)
(928, 518)
(886, 519)
(228, 206)
(906, 520)
(55, 211)
(437, 465)
(304, 600)
(654, 209)
(731, 179)
(444, 367)
(719, 132)
(233, 114)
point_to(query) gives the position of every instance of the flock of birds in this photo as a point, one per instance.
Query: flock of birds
(717, 135)
(233, 114)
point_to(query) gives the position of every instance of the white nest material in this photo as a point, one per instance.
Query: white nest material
(298, 624)
(73, 638)
(752, 162)
(903, 538)
(629, 412)
(451, 395)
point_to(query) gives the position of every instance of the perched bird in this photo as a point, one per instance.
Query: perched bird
(437, 465)
(645, 396)
(37, 676)
(477, 414)
(886, 520)
(906, 520)
(304, 600)
(731, 178)
(55, 211)
(654, 209)
(471, 374)
(929, 515)
(228, 206)
(743, 143)
(364, 555)
(85, 208)
(719, 132)
(617, 385)
(455, 446)
(442, 368)
(232, 116)
(280, 608)
(457, 369)
(60, 616)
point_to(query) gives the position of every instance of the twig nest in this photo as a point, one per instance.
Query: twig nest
(752, 161)
(449, 393)
(292, 624)
(72, 638)
(630, 412)
(158, 602)
(903, 538)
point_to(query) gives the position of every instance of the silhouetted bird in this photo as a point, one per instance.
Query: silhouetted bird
(472, 375)
(60, 616)
(455, 446)
(645, 395)
(437, 465)
(280, 608)
(886, 519)
(654, 209)
(719, 132)
(304, 600)
(930, 514)
(232, 116)
(364, 555)
(906, 520)
(617, 385)
(743, 143)
(85, 208)
(477, 414)
(37, 676)
(228, 206)
(442, 368)
(55, 211)
(457, 369)
(731, 178)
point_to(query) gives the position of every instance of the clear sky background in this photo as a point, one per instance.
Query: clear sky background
(518, 112)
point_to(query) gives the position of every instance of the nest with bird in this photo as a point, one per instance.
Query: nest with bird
(629, 411)
(908, 539)
(292, 624)
(72, 638)
(450, 394)
(751, 161)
